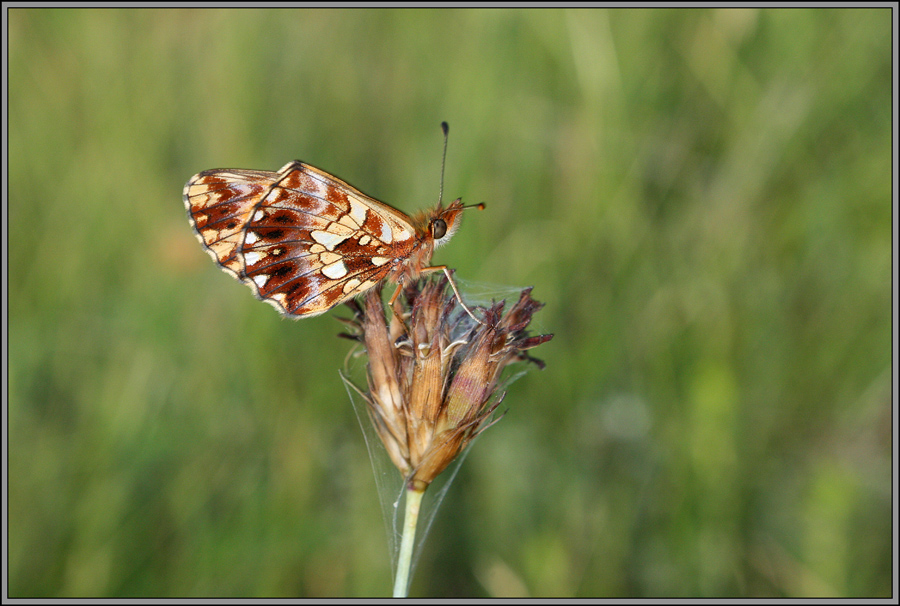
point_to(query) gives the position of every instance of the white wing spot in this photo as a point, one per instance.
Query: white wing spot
(260, 280)
(253, 257)
(379, 261)
(386, 236)
(335, 270)
(252, 238)
(328, 239)
(351, 285)
(258, 215)
(357, 211)
(364, 241)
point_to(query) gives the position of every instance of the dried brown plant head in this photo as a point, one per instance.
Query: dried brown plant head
(433, 372)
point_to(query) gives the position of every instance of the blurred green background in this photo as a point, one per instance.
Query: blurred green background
(702, 198)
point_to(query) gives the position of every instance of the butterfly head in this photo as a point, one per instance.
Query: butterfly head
(442, 223)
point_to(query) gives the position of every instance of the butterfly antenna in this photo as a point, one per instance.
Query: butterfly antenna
(446, 128)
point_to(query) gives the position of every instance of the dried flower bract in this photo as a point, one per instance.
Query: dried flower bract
(433, 372)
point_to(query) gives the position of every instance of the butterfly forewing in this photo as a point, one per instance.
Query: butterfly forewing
(300, 238)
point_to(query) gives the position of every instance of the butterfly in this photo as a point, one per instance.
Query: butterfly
(305, 241)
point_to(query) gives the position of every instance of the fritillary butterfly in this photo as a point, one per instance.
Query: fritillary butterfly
(305, 241)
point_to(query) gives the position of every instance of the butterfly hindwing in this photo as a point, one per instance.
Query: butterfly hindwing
(301, 239)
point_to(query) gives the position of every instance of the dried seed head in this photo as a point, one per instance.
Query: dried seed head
(433, 372)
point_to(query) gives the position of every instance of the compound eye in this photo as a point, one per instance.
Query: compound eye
(438, 228)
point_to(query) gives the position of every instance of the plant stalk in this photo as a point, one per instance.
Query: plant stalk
(408, 541)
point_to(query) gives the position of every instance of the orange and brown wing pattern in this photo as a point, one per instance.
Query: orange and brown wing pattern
(301, 239)
(219, 203)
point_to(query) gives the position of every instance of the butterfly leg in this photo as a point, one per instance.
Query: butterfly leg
(447, 273)
(394, 297)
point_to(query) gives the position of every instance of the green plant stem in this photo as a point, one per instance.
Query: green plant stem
(404, 559)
